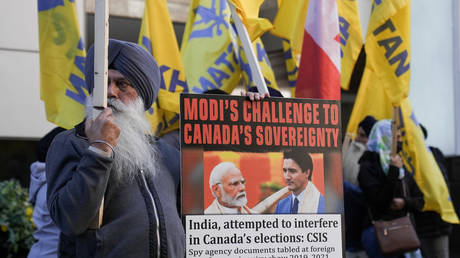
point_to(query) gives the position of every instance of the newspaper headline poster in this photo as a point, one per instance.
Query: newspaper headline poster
(261, 178)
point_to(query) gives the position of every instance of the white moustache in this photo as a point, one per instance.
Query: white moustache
(241, 195)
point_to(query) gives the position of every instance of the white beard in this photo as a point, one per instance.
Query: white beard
(133, 150)
(239, 201)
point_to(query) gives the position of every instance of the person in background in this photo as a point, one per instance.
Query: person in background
(355, 213)
(355, 208)
(432, 231)
(47, 233)
(111, 163)
(356, 149)
(382, 178)
(228, 188)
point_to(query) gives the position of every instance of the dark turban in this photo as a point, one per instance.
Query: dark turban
(134, 63)
(45, 142)
(367, 124)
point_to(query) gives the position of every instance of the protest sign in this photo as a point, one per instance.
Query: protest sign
(276, 149)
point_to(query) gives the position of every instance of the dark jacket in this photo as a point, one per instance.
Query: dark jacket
(380, 189)
(355, 213)
(140, 216)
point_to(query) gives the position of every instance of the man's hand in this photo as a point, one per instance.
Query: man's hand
(395, 160)
(397, 204)
(103, 128)
(255, 95)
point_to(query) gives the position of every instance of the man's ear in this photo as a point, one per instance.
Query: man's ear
(216, 190)
(308, 173)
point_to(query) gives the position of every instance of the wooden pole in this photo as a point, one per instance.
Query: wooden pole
(101, 42)
(394, 129)
(101, 35)
(247, 46)
(346, 143)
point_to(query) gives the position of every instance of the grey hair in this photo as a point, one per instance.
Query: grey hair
(218, 172)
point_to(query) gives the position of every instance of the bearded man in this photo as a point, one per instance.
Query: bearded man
(113, 157)
(228, 188)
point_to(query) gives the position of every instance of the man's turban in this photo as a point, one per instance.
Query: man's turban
(134, 63)
(367, 123)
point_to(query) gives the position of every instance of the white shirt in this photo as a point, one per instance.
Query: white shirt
(299, 197)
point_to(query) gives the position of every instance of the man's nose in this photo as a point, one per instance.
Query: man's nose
(112, 90)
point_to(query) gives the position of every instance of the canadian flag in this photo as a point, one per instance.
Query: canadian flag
(319, 71)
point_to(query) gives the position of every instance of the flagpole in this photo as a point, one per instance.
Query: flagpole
(394, 129)
(101, 36)
(346, 142)
(101, 32)
(247, 46)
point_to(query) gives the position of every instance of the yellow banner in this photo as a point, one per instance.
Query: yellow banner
(292, 66)
(419, 160)
(380, 88)
(370, 100)
(208, 47)
(249, 13)
(289, 23)
(157, 36)
(388, 46)
(212, 53)
(62, 60)
(264, 63)
(351, 39)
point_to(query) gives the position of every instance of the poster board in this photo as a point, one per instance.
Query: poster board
(257, 137)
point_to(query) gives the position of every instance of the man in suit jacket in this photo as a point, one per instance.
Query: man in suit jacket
(227, 187)
(304, 197)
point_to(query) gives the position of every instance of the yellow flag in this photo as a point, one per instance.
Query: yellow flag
(209, 47)
(157, 36)
(370, 100)
(292, 66)
(380, 87)
(351, 39)
(289, 23)
(388, 46)
(264, 63)
(62, 60)
(212, 53)
(249, 13)
(420, 161)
